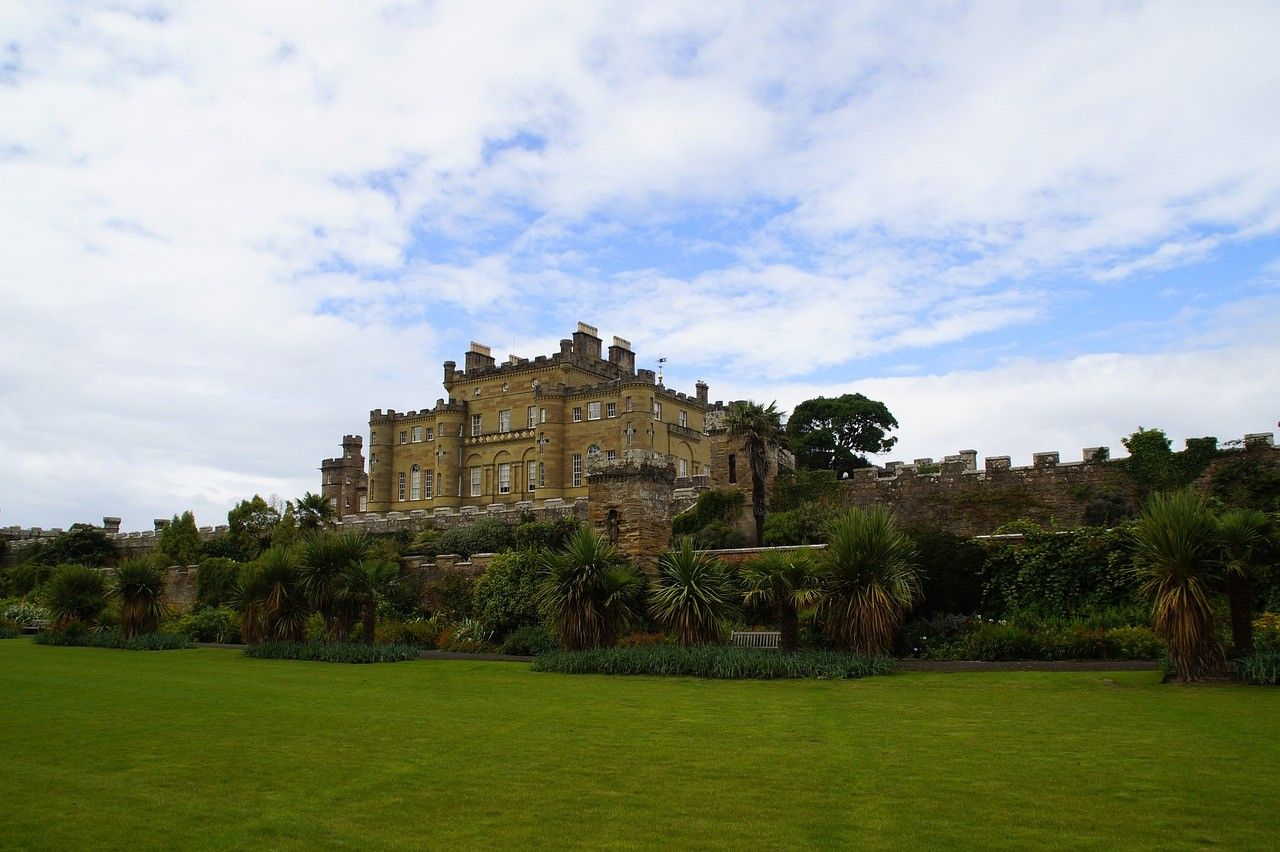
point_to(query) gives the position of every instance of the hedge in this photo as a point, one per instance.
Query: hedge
(713, 661)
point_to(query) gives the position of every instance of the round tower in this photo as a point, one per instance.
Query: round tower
(381, 432)
(450, 420)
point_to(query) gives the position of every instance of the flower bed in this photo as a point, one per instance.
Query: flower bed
(714, 661)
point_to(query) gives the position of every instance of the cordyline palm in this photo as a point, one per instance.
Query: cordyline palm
(787, 582)
(139, 584)
(759, 429)
(1245, 539)
(1174, 560)
(366, 581)
(587, 591)
(273, 603)
(75, 593)
(313, 511)
(869, 580)
(328, 561)
(692, 594)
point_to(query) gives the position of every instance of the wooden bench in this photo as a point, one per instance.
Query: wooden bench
(755, 639)
(37, 626)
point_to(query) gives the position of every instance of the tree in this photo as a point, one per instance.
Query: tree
(588, 592)
(313, 511)
(758, 429)
(84, 544)
(139, 585)
(75, 593)
(328, 563)
(367, 581)
(1174, 560)
(179, 542)
(869, 580)
(787, 582)
(836, 433)
(692, 593)
(504, 596)
(1245, 537)
(272, 602)
(253, 520)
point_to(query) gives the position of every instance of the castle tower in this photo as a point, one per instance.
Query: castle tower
(629, 502)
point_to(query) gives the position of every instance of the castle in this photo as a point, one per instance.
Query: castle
(524, 430)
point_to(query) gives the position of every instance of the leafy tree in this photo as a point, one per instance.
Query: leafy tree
(75, 593)
(84, 544)
(179, 543)
(216, 581)
(1248, 550)
(504, 596)
(836, 433)
(692, 594)
(552, 535)
(588, 591)
(253, 519)
(313, 511)
(1155, 467)
(869, 580)
(1174, 558)
(139, 585)
(487, 535)
(285, 532)
(759, 430)
(787, 582)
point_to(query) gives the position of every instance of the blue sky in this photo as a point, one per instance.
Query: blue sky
(231, 230)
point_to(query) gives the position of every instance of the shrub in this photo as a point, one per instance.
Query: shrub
(450, 595)
(75, 593)
(932, 636)
(1133, 643)
(179, 542)
(805, 524)
(423, 632)
(997, 641)
(274, 605)
(530, 640)
(335, 652)
(504, 596)
(467, 637)
(951, 571)
(717, 505)
(487, 535)
(719, 535)
(78, 636)
(548, 535)
(713, 661)
(869, 581)
(216, 581)
(26, 577)
(82, 544)
(210, 624)
(1261, 668)
(1064, 573)
(692, 594)
(588, 591)
(23, 613)
(644, 640)
(138, 585)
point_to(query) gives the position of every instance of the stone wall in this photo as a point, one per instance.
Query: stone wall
(630, 503)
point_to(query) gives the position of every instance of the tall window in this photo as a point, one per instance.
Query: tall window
(404, 437)
(364, 501)
(531, 475)
(611, 455)
(417, 434)
(684, 419)
(577, 469)
(328, 479)
(428, 489)
(415, 483)
(504, 478)
(333, 501)
(682, 468)
(477, 481)
(542, 474)
(533, 416)
(431, 433)
(657, 410)
(577, 414)
(629, 406)
(400, 492)
(475, 424)
(504, 420)
(611, 409)
(593, 411)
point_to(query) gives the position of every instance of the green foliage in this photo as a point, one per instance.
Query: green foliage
(805, 524)
(1251, 481)
(423, 632)
(285, 532)
(692, 594)
(529, 641)
(22, 612)
(273, 603)
(795, 488)
(138, 584)
(8, 631)
(836, 433)
(487, 535)
(714, 661)
(334, 652)
(467, 636)
(251, 522)
(75, 593)
(549, 535)
(209, 624)
(719, 535)
(82, 544)
(1261, 668)
(77, 636)
(179, 542)
(718, 504)
(1155, 467)
(758, 430)
(951, 571)
(26, 577)
(216, 581)
(786, 582)
(588, 592)
(313, 512)
(869, 581)
(1064, 573)
(328, 563)
(451, 595)
(237, 548)
(503, 597)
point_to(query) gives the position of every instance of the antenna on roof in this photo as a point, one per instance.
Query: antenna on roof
(661, 361)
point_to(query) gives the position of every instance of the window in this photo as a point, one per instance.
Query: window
(504, 478)
(476, 423)
(593, 450)
(505, 387)
(417, 434)
(593, 411)
(684, 419)
(533, 416)
(504, 420)
(611, 409)
(733, 468)
(459, 435)
(401, 491)
(628, 401)
(657, 410)
(682, 468)
(348, 454)
(364, 501)
(348, 480)
(531, 475)
(542, 474)
(404, 437)
(577, 414)
(328, 479)
(542, 415)
(333, 501)
(428, 489)
(611, 455)
(577, 469)
(431, 433)
(415, 483)
(347, 503)
(476, 392)
(477, 481)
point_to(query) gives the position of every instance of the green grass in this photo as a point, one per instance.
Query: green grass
(208, 748)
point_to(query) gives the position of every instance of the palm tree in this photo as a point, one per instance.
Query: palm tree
(313, 511)
(692, 593)
(1245, 536)
(273, 603)
(869, 580)
(366, 580)
(139, 584)
(759, 429)
(787, 582)
(1174, 560)
(328, 562)
(588, 591)
(75, 593)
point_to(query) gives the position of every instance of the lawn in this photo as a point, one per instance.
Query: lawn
(205, 748)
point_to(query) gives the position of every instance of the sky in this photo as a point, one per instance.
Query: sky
(230, 230)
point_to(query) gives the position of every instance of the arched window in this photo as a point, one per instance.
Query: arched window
(415, 483)
(593, 451)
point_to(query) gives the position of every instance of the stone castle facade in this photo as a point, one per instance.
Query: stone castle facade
(343, 481)
(527, 429)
